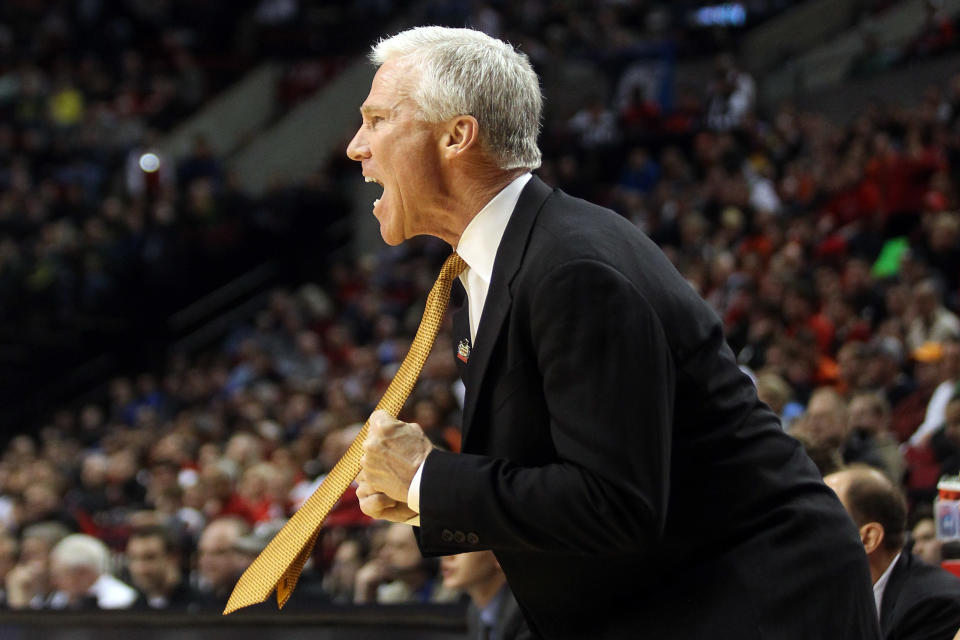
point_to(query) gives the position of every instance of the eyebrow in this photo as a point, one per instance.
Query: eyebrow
(366, 110)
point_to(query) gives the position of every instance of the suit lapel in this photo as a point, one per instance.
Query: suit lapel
(892, 591)
(497, 305)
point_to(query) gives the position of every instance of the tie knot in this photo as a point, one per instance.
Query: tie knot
(453, 266)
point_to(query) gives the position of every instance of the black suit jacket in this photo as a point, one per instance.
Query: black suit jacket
(920, 602)
(618, 462)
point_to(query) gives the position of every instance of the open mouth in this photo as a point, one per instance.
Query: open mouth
(369, 179)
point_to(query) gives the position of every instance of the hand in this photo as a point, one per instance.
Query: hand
(368, 578)
(393, 451)
(379, 505)
(23, 583)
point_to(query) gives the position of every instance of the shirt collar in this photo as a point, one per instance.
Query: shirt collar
(480, 240)
(881, 583)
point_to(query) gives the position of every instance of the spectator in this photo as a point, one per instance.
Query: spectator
(914, 600)
(926, 545)
(641, 173)
(941, 247)
(261, 494)
(775, 392)
(731, 96)
(926, 376)
(397, 573)
(218, 562)
(826, 459)
(43, 502)
(493, 613)
(29, 583)
(945, 441)
(851, 367)
(594, 125)
(90, 494)
(9, 550)
(884, 370)
(937, 407)
(870, 441)
(349, 557)
(932, 321)
(825, 422)
(79, 570)
(156, 569)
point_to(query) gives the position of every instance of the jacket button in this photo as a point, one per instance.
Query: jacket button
(446, 535)
(458, 537)
(472, 538)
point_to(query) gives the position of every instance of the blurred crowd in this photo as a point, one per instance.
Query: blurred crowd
(217, 451)
(831, 252)
(85, 88)
(92, 214)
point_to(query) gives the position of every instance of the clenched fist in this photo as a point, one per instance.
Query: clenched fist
(378, 505)
(393, 451)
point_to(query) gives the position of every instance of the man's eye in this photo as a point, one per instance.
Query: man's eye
(374, 120)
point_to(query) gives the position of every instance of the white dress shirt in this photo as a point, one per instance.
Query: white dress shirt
(478, 247)
(881, 584)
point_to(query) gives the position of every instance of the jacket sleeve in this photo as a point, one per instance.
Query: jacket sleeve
(608, 383)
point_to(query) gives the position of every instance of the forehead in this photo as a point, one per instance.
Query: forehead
(822, 404)
(143, 544)
(924, 528)
(217, 536)
(391, 85)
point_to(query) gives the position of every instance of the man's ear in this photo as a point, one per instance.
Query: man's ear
(460, 134)
(872, 535)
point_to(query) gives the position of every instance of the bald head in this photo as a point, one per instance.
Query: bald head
(870, 498)
(218, 562)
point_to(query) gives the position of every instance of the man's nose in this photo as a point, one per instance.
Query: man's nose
(358, 148)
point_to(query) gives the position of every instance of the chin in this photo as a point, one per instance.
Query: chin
(391, 239)
(390, 234)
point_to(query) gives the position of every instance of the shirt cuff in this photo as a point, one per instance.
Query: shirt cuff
(413, 496)
(413, 492)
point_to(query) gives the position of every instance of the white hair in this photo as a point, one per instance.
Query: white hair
(466, 72)
(80, 550)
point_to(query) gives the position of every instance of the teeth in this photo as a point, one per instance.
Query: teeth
(369, 179)
(376, 202)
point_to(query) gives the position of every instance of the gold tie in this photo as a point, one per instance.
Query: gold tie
(280, 563)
